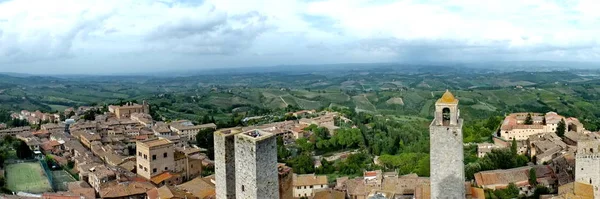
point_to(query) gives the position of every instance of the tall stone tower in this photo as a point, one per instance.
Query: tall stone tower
(256, 165)
(225, 163)
(587, 164)
(446, 150)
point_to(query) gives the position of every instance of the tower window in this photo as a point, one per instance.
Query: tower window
(446, 116)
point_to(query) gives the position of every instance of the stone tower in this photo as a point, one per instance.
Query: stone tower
(446, 150)
(256, 165)
(587, 164)
(225, 163)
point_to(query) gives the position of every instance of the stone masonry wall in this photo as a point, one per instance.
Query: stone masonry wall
(256, 168)
(447, 161)
(224, 166)
(587, 164)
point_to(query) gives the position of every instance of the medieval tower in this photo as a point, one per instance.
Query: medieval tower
(225, 163)
(256, 171)
(587, 164)
(446, 150)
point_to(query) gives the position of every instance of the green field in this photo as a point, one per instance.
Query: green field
(27, 177)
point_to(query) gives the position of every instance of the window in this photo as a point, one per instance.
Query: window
(243, 188)
(166, 168)
(145, 157)
(311, 186)
(153, 157)
(140, 166)
(140, 154)
(145, 169)
(165, 155)
(154, 170)
(192, 166)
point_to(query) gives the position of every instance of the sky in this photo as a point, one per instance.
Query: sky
(131, 36)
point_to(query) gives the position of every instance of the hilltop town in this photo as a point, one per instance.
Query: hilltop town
(122, 152)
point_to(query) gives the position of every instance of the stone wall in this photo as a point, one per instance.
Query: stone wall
(587, 165)
(256, 167)
(447, 161)
(224, 166)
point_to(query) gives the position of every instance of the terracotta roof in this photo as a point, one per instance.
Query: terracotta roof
(161, 177)
(329, 194)
(118, 190)
(199, 187)
(448, 98)
(60, 196)
(156, 142)
(309, 179)
(82, 188)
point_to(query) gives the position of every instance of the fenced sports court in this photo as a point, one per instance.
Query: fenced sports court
(27, 177)
(60, 178)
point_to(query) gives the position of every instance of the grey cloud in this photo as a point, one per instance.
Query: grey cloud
(447, 49)
(46, 46)
(215, 35)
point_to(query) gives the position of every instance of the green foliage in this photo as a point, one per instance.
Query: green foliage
(497, 159)
(540, 190)
(560, 130)
(514, 146)
(205, 139)
(405, 163)
(302, 164)
(532, 177)
(512, 191)
(283, 153)
(23, 151)
(528, 120)
(480, 130)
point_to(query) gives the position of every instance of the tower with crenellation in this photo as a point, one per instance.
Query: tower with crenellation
(446, 150)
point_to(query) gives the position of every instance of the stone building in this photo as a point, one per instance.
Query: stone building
(154, 156)
(225, 163)
(256, 165)
(587, 164)
(306, 185)
(446, 142)
(126, 110)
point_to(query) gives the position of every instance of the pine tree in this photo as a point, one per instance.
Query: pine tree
(528, 120)
(513, 147)
(532, 177)
(560, 130)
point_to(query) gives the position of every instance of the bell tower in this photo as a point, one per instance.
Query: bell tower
(446, 150)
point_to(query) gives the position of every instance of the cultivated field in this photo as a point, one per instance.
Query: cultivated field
(27, 177)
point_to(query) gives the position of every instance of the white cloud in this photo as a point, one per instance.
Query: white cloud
(136, 35)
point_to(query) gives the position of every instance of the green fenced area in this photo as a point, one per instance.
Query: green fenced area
(27, 177)
(60, 178)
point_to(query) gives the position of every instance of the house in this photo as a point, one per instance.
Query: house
(169, 192)
(129, 108)
(188, 162)
(305, 185)
(329, 194)
(484, 148)
(514, 125)
(500, 179)
(81, 188)
(201, 187)
(99, 175)
(125, 190)
(187, 130)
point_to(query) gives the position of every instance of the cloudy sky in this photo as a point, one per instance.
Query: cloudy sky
(124, 36)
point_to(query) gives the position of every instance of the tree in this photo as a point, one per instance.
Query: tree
(560, 130)
(23, 151)
(532, 177)
(513, 147)
(528, 120)
(205, 139)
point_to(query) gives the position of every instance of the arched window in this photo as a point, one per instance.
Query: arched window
(446, 116)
